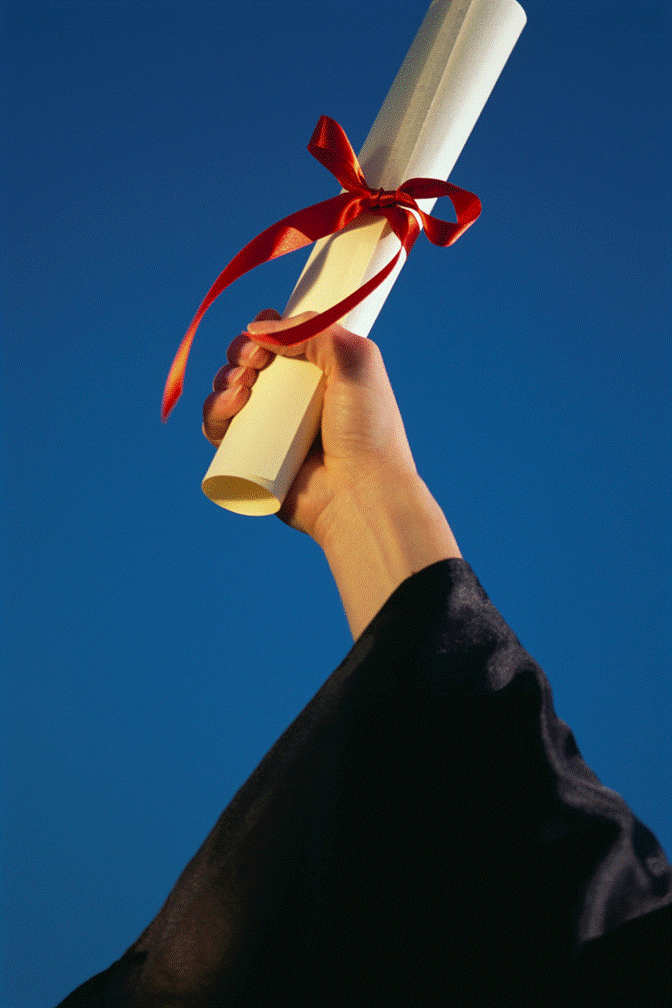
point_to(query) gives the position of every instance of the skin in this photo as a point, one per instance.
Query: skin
(358, 494)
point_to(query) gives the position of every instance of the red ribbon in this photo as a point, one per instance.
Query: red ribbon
(331, 147)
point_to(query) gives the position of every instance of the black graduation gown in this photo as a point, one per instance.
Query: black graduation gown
(424, 833)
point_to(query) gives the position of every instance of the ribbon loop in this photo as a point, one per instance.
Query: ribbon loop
(331, 147)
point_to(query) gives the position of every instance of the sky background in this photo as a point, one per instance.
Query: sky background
(157, 645)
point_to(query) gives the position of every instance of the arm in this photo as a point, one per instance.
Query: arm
(391, 530)
(425, 830)
(358, 495)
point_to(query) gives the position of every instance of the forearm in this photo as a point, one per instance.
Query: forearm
(376, 535)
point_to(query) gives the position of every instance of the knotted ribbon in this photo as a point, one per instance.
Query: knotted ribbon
(331, 147)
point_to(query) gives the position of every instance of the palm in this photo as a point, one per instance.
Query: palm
(361, 431)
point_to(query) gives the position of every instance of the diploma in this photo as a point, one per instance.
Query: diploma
(432, 107)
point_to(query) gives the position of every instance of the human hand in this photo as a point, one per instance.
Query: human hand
(358, 493)
(362, 433)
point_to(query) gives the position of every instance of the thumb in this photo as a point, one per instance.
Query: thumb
(269, 321)
(340, 354)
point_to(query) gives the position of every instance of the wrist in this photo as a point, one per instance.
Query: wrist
(376, 533)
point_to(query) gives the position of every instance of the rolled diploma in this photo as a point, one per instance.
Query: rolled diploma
(432, 107)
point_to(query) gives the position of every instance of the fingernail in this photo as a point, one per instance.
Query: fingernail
(255, 357)
(230, 394)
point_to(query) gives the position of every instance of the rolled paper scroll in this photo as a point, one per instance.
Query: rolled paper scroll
(432, 107)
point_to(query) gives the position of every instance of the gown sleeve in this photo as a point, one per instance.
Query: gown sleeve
(424, 833)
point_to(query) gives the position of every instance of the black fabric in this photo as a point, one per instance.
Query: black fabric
(424, 833)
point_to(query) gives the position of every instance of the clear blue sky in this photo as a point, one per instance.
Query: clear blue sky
(157, 645)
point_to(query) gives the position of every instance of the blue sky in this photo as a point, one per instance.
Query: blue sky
(157, 645)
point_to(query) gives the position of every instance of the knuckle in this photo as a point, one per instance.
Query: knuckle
(235, 346)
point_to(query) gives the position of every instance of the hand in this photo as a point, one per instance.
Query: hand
(362, 435)
(358, 493)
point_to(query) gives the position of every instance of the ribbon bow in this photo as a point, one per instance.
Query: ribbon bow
(331, 147)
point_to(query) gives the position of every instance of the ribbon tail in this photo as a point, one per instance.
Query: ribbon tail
(175, 379)
(287, 235)
(407, 230)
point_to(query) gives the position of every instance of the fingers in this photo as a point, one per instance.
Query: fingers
(233, 382)
(336, 351)
(243, 352)
(220, 407)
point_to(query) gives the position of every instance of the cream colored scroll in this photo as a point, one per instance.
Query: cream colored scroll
(432, 107)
